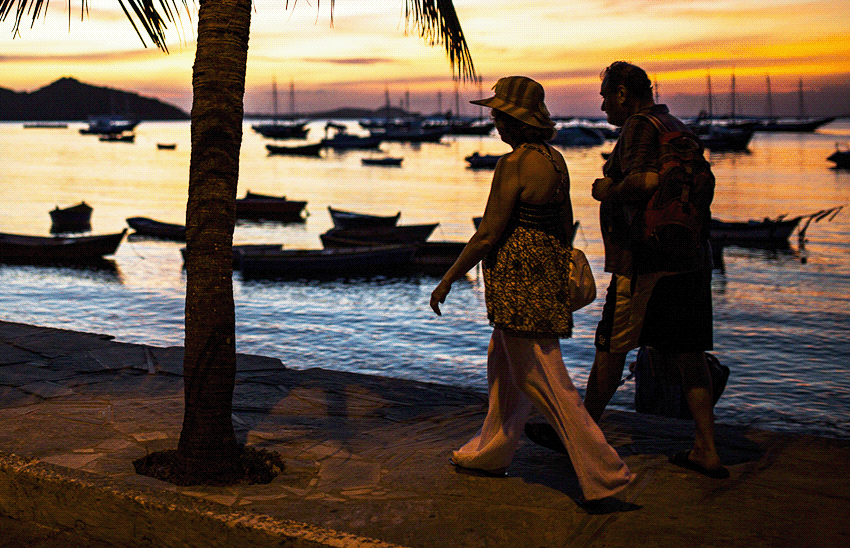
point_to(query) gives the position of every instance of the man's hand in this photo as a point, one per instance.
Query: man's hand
(602, 189)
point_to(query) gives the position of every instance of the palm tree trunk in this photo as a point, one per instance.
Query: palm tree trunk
(207, 445)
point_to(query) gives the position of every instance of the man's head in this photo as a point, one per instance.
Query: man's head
(625, 90)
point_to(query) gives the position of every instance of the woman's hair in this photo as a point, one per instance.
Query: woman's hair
(631, 77)
(522, 132)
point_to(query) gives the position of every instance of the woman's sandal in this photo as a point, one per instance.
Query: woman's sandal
(495, 473)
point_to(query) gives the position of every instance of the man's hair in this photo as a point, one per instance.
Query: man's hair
(522, 132)
(631, 77)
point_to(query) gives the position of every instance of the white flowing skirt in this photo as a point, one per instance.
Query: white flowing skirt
(522, 372)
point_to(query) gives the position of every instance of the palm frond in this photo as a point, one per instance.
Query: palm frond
(437, 22)
(151, 15)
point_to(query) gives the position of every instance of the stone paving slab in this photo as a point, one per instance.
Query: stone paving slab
(367, 463)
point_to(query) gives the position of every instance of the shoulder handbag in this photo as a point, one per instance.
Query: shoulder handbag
(582, 284)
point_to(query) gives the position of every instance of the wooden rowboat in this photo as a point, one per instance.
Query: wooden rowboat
(370, 235)
(76, 218)
(776, 231)
(320, 263)
(270, 208)
(21, 249)
(350, 219)
(157, 229)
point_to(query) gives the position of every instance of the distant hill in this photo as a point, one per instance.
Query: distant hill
(70, 100)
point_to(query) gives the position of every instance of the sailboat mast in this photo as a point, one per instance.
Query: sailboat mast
(733, 96)
(802, 106)
(769, 99)
(292, 97)
(710, 106)
(274, 97)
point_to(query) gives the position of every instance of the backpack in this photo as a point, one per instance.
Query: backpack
(677, 216)
(658, 387)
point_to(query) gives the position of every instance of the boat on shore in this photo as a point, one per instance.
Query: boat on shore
(23, 249)
(351, 219)
(76, 218)
(166, 146)
(145, 226)
(377, 235)
(323, 263)
(262, 207)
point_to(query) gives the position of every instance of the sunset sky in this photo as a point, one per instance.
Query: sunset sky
(564, 45)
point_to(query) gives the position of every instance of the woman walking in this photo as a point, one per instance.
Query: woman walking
(524, 242)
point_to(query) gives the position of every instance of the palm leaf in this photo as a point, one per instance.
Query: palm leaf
(151, 15)
(437, 22)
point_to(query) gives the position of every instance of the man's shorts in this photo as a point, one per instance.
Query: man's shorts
(670, 312)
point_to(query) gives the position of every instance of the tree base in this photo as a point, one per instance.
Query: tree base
(252, 466)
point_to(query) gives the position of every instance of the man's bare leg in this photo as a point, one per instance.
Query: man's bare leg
(604, 378)
(696, 382)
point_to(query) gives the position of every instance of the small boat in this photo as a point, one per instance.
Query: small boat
(482, 161)
(300, 263)
(312, 149)
(243, 249)
(259, 207)
(282, 130)
(383, 161)
(118, 137)
(45, 125)
(157, 229)
(577, 136)
(350, 219)
(21, 249)
(76, 218)
(723, 139)
(409, 134)
(436, 257)
(795, 125)
(841, 157)
(166, 146)
(104, 125)
(343, 140)
(371, 235)
(765, 232)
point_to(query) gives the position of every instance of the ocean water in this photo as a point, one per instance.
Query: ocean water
(782, 317)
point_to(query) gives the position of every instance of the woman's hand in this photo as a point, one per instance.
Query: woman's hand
(439, 296)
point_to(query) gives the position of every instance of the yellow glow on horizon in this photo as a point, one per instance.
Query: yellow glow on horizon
(564, 46)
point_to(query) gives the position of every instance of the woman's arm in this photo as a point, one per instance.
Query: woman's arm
(504, 190)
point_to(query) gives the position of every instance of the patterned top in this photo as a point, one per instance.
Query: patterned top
(526, 274)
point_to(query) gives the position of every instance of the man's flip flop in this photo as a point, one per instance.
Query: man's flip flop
(544, 435)
(681, 459)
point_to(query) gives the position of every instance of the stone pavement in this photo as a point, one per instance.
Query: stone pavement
(367, 464)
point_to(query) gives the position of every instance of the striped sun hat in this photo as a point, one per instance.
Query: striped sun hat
(521, 98)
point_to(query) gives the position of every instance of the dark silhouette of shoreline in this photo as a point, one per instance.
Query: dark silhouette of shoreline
(68, 99)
